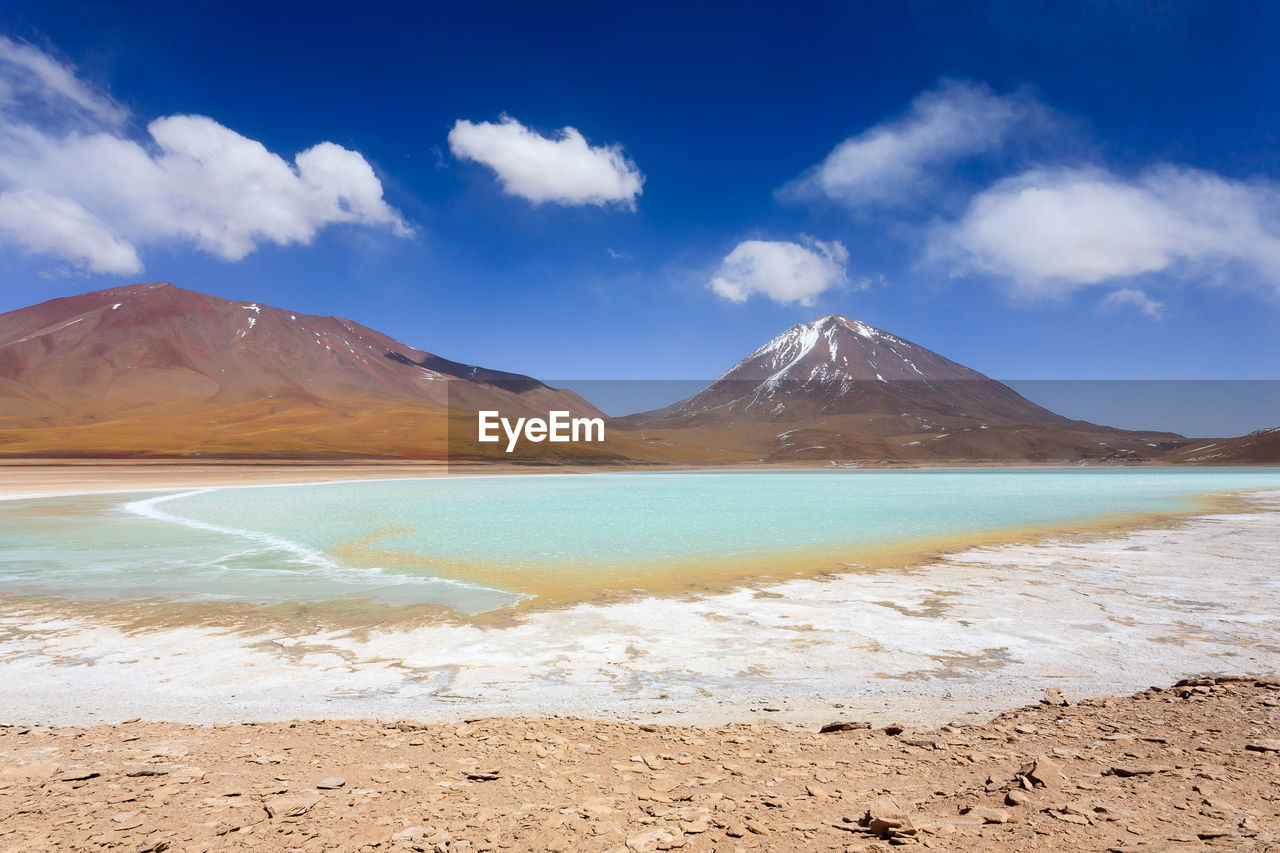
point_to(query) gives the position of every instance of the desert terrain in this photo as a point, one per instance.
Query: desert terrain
(1190, 767)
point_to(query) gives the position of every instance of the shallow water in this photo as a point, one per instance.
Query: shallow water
(981, 630)
(482, 543)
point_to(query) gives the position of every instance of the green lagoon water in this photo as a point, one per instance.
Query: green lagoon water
(481, 543)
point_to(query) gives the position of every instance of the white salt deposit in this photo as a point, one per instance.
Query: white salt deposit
(969, 634)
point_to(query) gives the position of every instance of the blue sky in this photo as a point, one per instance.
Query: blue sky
(1083, 191)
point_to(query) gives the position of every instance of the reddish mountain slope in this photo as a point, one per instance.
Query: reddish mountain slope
(1258, 447)
(155, 369)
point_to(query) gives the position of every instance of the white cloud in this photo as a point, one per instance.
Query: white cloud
(563, 170)
(78, 188)
(783, 271)
(1128, 297)
(30, 73)
(1053, 232)
(58, 226)
(892, 163)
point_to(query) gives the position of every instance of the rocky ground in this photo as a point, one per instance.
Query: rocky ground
(1193, 766)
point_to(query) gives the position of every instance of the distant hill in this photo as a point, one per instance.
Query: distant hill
(839, 389)
(155, 370)
(1258, 447)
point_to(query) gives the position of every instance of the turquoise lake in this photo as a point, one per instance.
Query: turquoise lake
(481, 543)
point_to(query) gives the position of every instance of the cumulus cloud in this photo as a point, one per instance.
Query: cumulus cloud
(1051, 232)
(58, 226)
(894, 162)
(563, 169)
(1128, 297)
(76, 186)
(783, 271)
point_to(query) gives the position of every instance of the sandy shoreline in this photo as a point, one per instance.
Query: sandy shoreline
(25, 478)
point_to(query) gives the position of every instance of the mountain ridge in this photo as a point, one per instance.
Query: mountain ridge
(152, 369)
(156, 370)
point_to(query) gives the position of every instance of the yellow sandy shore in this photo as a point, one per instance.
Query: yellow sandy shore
(42, 478)
(37, 478)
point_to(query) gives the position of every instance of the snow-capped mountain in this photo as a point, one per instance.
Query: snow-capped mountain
(839, 389)
(835, 365)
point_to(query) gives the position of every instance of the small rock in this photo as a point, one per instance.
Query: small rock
(894, 729)
(1047, 774)
(842, 726)
(1129, 770)
(886, 818)
(1263, 746)
(1017, 797)
(488, 775)
(146, 770)
(331, 783)
(648, 839)
(987, 814)
(291, 805)
(1054, 696)
(663, 784)
(411, 833)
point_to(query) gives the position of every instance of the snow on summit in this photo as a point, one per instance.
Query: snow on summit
(837, 365)
(835, 349)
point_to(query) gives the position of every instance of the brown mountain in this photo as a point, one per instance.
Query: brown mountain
(1258, 447)
(152, 369)
(838, 389)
